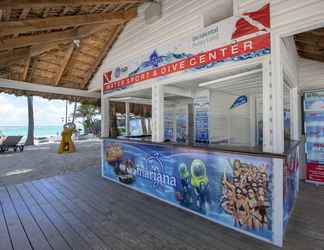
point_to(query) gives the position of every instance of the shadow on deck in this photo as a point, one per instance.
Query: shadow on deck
(84, 211)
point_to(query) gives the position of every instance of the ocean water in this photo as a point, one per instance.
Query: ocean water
(39, 131)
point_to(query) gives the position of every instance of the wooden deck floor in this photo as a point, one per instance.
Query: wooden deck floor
(84, 211)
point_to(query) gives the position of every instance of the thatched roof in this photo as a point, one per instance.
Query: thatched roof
(59, 43)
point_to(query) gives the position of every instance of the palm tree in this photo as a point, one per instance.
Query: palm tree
(89, 112)
(30, 135)
(74, 112)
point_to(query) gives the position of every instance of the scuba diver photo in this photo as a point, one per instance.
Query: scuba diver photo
(194, 192)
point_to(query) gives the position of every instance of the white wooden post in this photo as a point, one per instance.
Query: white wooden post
(295, 115)
(266, 105)
(277, 95)
(277, 202)
(252, 103)
(105, 126)
(157, 113)
(105, 116)
(127, 118)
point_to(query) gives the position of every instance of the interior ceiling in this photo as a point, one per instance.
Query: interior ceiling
(310, 44)
(226, 82)
(59, 43)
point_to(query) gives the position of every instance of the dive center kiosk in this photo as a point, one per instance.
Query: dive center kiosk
(210, 142)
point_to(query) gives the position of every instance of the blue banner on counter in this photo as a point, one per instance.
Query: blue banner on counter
(291, 181)
(229, 189)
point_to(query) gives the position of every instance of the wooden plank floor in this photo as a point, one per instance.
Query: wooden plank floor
(84, 211)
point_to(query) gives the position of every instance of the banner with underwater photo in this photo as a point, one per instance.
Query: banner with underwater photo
(231, 189)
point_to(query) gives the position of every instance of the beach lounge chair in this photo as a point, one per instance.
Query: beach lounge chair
(11, 142)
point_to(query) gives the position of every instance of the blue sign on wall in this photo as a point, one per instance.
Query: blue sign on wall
(230, 189)
(239, 101)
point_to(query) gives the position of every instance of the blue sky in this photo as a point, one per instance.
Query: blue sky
(13, 110)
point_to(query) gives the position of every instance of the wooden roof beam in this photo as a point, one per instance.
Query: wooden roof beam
(67, 35)
(25, 26)
(67, 57)
(18, 85)
(8, 58)
(19, 4)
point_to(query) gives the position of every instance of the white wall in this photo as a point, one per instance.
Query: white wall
(289, 59)
(226, 123)
(179, 17)
(311, 74)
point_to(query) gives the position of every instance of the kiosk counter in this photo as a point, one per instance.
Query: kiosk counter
(242, 188)
(224, 142)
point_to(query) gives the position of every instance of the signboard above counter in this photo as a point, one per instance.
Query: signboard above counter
(237, 38)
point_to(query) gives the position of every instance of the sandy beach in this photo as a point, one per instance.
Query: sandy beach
(42, 160)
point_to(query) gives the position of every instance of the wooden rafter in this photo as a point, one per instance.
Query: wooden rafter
(24, 13)
(40, 49)
(311, 49)
(57, 3)
(26, 67)
(311, 56)
(45, 12)
(95, 8)
(8, 58)
(310, 44)
(6, 14)
(13, 56)
(67, 35)
(67, 57)
(309, 37)
(104, 52)
(66, 9)
(24, 26)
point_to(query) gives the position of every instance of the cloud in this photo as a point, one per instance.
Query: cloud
(13, 110)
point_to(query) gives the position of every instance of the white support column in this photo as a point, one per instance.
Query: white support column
(127, 117)
(105, 116)
(295, 115)
(252, 103)
(236, 7)
(157, 113)
(277, 95)
(277, 202)
(267, 105)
